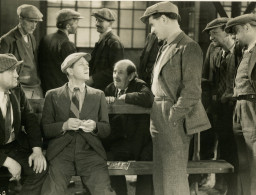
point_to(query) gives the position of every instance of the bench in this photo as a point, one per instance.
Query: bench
(196, 166)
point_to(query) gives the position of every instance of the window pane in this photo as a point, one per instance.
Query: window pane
(94, 36)
(84, 4)
(140, 5)
(138, 38)
(68, 3)
(82, 38)
(97, 4)
(84, 22)
(51, 16)
(126, 4)
(126, 19)
(126, 38)
(51, 30)
(110, 4)
(53, 2)
(137, 21)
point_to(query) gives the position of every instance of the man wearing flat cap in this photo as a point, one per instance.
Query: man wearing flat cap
(20, 149)
(20, 41)
(243, 28)
(108, 50)
(221, 76)
(177, 111)
(55, 47)
(74, 119)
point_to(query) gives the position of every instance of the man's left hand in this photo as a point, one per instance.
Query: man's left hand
(88, 125)
(122, 97)
(38, 160)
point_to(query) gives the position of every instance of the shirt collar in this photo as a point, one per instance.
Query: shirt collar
(81, 87)
(21, 31)
(104, 34)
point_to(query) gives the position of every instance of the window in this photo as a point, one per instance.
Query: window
(128, 26)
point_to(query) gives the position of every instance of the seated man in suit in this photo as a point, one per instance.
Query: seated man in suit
(74, 118)
(20, 151)
(130, 138)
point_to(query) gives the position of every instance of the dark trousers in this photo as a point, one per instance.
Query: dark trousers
(31, 182)
(78, 158)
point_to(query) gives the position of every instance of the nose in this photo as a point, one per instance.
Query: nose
(16, 74)
(152, 30)
(34, 24)
(211, 37)
(233, 36)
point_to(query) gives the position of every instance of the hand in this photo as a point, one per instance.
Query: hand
(89, 82)
(88, 125)
(110, 99)
(13, 167)
(237, 116)
(153, 132)
(122, 97)
(38, 160)
(72, 124)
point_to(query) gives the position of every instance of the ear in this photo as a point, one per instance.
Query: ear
(131, 76)
(70, 71)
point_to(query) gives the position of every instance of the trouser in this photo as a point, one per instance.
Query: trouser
(77, 158)
(33, 92)
(170, 152)
(245, 128)
(31, 182)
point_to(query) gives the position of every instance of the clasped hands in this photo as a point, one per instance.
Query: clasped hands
(112, 99)
(76, 124)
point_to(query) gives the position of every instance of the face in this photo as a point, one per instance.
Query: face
(8, 79)
(102, 25)
(80, 70)
(217, 36)
(28, 26)
(120, 76)
(239, 34)
(73, 26)
(157, 27)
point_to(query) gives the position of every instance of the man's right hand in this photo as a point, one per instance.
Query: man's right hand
(13, 167)
(72, 124)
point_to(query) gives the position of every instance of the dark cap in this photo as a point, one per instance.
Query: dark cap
(105, 14)
(67, 14)
(240, 20)
(162, 7)
(218, 22)
(73, 58)
(30, 12)
(8, 61)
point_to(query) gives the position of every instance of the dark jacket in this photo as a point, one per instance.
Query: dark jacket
(53, 49)
(22, 116)
(105, 54)
(130, 135)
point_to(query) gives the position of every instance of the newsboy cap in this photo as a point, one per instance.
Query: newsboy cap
(67, 14)
(30, 12)
(218, 22)
(240, 20)
(73, 58)
(8, 61)
(105, 14)
(162, 7)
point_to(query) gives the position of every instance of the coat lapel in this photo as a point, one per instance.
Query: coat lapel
(88, 104)
(63, 101)
(16, 113)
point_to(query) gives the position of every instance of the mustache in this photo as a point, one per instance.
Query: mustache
(98, 26)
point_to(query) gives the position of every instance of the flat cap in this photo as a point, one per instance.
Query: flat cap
(73, 58)
(218, 22)
(162, 7)
(67, 14)
(105, 14)
(240, 20)
(8, 61)
(30, 12)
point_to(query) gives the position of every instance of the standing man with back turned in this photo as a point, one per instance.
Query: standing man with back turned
(108, 50)
(21, 42)
(177, 110)
(55, 47)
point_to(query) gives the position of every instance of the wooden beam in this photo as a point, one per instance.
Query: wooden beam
(250, 8)
(220, 9)
(235, 9)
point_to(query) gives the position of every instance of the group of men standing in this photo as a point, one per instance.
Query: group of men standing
(75, 118)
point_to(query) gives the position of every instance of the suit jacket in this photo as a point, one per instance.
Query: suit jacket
(130, 133)
(105, 54)
(179, 77)
(56, 112)
(12, 43)
(22, 116)
(53, 49)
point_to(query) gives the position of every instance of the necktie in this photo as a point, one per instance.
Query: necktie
(74, 106)
(121, 92)
(222, 74)
(8, 119)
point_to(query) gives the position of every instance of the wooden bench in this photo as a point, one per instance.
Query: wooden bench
(196, 166)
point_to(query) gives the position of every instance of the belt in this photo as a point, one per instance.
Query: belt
(163, 98)
(250, 97)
